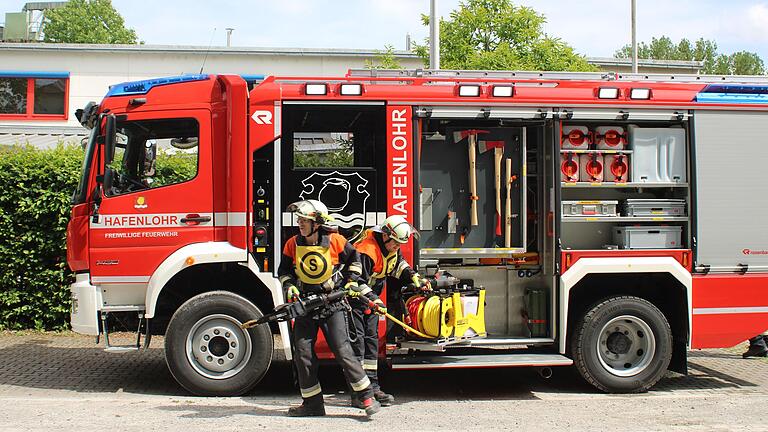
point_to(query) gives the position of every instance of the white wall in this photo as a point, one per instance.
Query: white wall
(93, 68)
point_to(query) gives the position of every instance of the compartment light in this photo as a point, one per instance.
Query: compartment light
(608, 93)
(351, 89)
(317, 89)
(469, 90)
(503, 91)
(640, 93)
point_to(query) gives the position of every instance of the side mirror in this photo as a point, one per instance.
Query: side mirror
(109, 140)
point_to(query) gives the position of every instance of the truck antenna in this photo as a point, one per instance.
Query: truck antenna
(207, 50)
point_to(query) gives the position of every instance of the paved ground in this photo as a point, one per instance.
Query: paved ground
(52, 382)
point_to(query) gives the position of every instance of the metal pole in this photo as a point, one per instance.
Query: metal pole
(229, 35)
(634, 36)
(434, 36)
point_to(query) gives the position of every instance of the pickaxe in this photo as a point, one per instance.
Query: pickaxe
(472, 135)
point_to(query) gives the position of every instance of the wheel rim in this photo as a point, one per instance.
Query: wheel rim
(217, 347)
(626, 346)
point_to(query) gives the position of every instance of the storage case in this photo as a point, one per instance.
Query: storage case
(616, 168)
(659, 155)
(591, 167)
(654, 207)
(610, 138)
(590, 208)
(575, 138)
(569, 167)
(648, 237)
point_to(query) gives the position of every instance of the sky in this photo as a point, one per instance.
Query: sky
(595, 28)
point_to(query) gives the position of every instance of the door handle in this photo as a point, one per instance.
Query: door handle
(195, 219)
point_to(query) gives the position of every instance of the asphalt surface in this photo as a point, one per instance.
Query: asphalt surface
(54, 381)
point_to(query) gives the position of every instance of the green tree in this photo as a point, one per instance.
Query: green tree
(663, 48)
(87, 21)
(497, 34)
(385, 60)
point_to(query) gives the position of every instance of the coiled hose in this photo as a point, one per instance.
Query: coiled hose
(432, 315)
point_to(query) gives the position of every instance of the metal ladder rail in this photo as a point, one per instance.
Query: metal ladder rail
(576, 76)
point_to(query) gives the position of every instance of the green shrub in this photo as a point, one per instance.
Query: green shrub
(34, 211)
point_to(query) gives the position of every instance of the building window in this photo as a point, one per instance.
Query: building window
(34, 96)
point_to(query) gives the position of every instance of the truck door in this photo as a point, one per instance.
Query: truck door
(160, 197)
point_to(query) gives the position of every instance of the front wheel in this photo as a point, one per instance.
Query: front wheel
(209, 354)
(622, 345)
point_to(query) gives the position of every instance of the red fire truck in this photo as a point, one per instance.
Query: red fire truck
(606, 221)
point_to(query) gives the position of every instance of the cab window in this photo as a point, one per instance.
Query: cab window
(154, 153)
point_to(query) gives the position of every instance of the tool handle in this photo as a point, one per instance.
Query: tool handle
(498, 153)
(508, 209)
(472, 181)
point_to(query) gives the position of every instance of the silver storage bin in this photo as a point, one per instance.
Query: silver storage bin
(659, 155)
(654, 207)
(648, 237)
(590, 208)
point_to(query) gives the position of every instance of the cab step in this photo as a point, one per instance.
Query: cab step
(143, 323)
(479, 361)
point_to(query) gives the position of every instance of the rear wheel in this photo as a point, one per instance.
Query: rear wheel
(209, 354)
(622, 345)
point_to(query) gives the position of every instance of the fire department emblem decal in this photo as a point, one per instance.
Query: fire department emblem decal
(141, 203)
(344, 194)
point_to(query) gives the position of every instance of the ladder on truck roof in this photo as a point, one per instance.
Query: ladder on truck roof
(576, 76)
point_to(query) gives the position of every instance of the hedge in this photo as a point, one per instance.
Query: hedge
(34, 210)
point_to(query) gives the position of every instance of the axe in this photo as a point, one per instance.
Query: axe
(498, 154)
(471, 134)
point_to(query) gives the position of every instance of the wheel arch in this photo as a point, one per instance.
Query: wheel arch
(205, 267)
(661, 281)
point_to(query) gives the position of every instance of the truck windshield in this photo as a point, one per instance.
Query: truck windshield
(81, 192)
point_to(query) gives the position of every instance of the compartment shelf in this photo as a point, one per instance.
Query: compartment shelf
(596, 151)
(469, 252)
(624, 219)
(567, 185)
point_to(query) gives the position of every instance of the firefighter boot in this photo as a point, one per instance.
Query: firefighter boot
(757, 348)
(356, 401)
(371, 406)
(311, 407)
(385, 399)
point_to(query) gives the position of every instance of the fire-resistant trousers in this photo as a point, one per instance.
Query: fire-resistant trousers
(336, 333)
(366, 345)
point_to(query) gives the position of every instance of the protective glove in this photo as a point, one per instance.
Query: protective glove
(378, 307)
(291, 293)
(420, 283)
(353, 289)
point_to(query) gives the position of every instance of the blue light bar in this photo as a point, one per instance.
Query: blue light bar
(732, 98)
(32, 74)
(736, 88)
(143, 87)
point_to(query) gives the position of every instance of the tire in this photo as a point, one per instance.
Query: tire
(622, 345)
(208, 353)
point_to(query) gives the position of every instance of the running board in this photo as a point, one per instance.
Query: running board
(479, 361)
(497, 343)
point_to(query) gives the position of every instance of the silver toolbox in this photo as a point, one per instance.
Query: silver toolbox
(590, 208)
(654, 207)
(648, 237)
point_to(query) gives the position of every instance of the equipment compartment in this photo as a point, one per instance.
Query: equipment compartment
(471, 183)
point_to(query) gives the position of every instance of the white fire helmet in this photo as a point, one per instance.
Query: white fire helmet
(397, 228)
(313, 210)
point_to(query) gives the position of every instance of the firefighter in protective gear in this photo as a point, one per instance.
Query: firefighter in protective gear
(380, 258)
(316, 260)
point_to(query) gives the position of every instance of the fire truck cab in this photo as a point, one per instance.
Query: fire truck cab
(605, 221)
